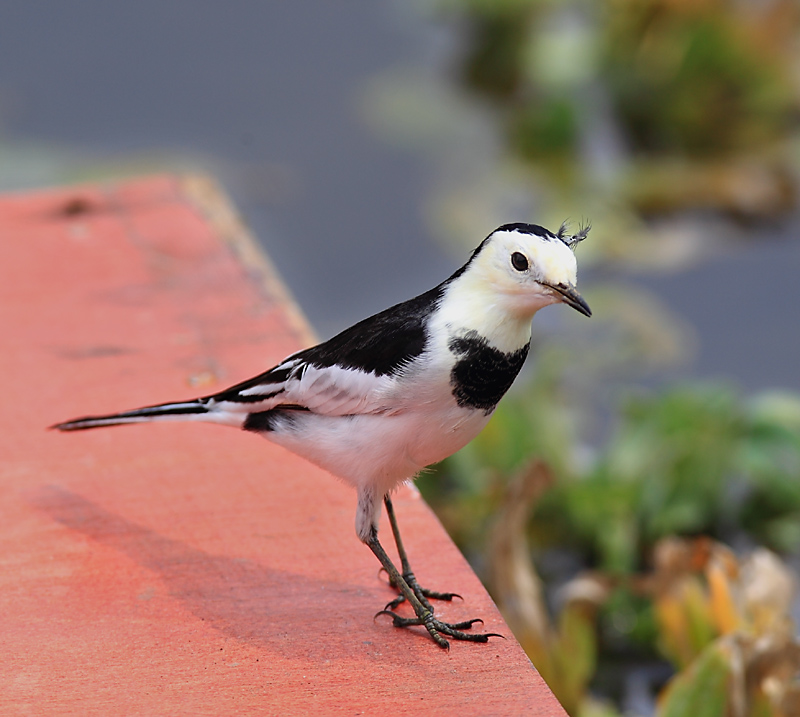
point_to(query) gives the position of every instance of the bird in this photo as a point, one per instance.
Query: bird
(402, 389)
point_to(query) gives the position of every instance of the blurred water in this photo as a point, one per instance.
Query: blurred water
(267, 95)
(744, 307)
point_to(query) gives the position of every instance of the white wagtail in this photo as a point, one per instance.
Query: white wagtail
(402, 389)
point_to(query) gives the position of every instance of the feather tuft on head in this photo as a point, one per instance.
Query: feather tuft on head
(572, 240)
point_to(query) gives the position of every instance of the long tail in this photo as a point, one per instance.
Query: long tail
(186, 410)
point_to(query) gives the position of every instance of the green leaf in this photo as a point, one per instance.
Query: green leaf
(702, 690)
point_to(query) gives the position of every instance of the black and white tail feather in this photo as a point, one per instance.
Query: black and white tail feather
(230, 407)
(401, 389)
(163, 412)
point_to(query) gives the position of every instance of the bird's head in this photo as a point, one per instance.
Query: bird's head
(529, 267)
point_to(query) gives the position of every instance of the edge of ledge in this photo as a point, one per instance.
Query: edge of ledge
(212, 201)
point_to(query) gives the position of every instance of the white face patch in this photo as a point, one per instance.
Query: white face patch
(555, 260)
(551, 261)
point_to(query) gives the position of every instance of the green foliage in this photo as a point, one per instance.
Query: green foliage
(663, 473)
(685, 461)
(702, 690)
(725, 624)
(695, 78)
(633, 109)
(771, 457)
(688, 460)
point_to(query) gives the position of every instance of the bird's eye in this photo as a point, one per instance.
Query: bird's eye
(519, 261)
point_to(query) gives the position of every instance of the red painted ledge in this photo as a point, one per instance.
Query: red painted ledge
(191, 569)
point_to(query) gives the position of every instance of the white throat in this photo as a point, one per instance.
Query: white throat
(469, 304)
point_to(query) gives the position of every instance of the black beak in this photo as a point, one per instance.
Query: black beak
(571, 297)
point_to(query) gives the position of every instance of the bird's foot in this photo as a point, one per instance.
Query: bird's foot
(417, 597)
(437, 628)
(423, 594)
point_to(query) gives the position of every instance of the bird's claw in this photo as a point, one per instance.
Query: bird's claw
(422, 593)
(437, 628)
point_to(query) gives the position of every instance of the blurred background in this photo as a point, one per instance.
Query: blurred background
(634, 505)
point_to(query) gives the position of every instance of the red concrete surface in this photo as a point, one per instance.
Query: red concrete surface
(188, 568)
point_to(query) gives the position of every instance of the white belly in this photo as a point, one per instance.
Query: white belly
(381, 450)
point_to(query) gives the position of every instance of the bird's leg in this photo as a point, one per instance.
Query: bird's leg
(424, 616)
(422, 593)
